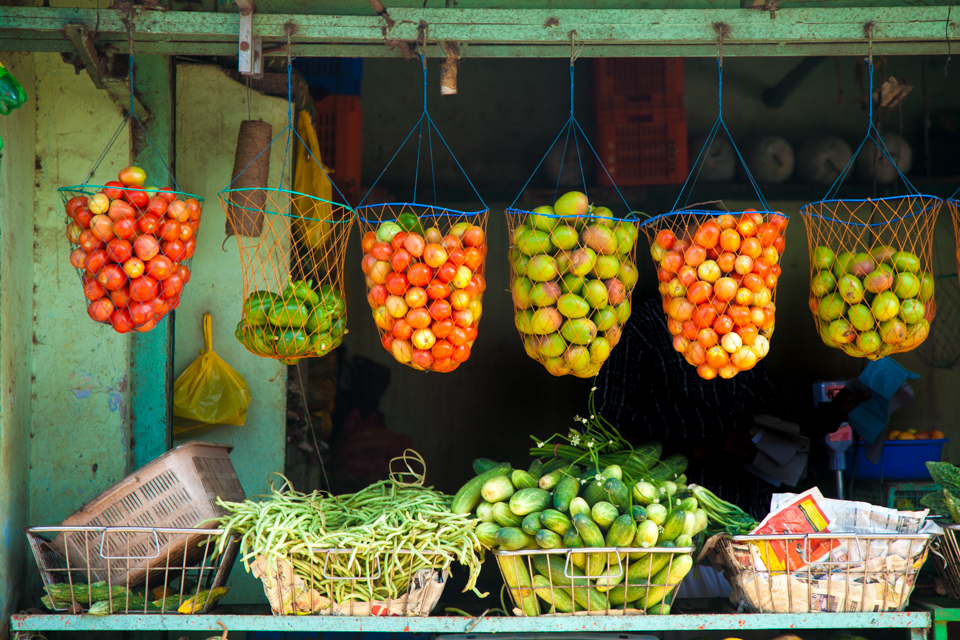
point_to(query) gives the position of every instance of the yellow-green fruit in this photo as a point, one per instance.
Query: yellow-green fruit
(905, 261)
(893, 331)
(926, 286)
(906, 285)
(582, 261)
(626, 235)
(602, 216)
(595, 294)
(605, 318)
(822, 258)
(912, 311)
(841, 264)
(577, 357)
(628, 274)
(551, 346)
(599, 238)
(519, 262)
(544, 294)
(572, 203)
(565, 237)
(531, 346)
(542, 268)
(841, 332)
(880, 280)
(600, 349)
(533, 242)
(556, 366)
(572, 284)
(882, 254)
(545, 218)
(885, 306)
(606, 267)
(822, 284)
(545, 321)
(869, 341)
(861, 317)
(850, 288)
(523, 319)
(831, 307)
(521, 292)
(623, 312)
(572, 306)
(580, 331)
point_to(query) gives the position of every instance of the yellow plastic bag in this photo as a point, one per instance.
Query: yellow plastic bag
(208, 392)
(313, 217)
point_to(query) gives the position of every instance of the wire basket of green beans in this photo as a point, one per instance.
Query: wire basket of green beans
(385, 550)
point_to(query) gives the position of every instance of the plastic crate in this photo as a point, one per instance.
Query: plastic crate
(637, 82)
(339, 125)
(336, 75)
(641, 146)
(899, 460)
(904, 496)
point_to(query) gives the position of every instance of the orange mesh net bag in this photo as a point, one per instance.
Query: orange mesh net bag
(423, 266)
(292, 245)
(871, 282)
(718, 274)
(572, 268)
(131, 244)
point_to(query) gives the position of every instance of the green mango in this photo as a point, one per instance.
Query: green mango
(544, 294)
(604, 318)
(565, 237)
(542, 268)
(595, 294)
(606, 267)
(600, 349)
(521, 292)
(572, 306)
(533, 242)
(551, 346)
(545, 218)
(579, 331)
(571, 283)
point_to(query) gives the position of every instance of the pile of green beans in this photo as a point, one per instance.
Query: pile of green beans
(382, 535)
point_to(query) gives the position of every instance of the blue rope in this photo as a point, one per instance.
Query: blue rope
(807, 210)
(552, 145)
(563, 156)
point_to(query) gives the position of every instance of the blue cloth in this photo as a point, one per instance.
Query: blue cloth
(884, 378)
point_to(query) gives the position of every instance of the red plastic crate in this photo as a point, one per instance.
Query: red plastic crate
(339, 125)
(642, 146)
(637, 82)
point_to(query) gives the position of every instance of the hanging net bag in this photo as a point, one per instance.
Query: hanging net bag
(423, 266)
(718, 273)
(292, 245)
(941, 349)
(131, 243)
(572, 268)
(871, 284)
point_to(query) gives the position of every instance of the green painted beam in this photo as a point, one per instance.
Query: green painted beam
(899, 30)
(151, 353)
(450, 624)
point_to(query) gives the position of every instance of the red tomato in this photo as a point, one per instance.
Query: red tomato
(78, 259)
(770, 281)
(447, 272)
(137, 197)
(146, 246)
(462, 353)
(134, 267)
(740, 314)
(442, 349)
(696, 354)
(157, 206)
(438, 290)
(398, 239)
(704, 316)
(148, 325)
(699, 292)
(672, 262)
(663, 275)
(177, 210)
(723, 324)
(695, 255)
(449, 243)
(401, 329)
(746, 227)
(397, 284)
(440, 309)
(416, 297)
(419, 274)
(377, 296)
(193, 208)
(707, 338)
(186, 231)
(169, 230)
(174, 249)
(713, 253)
(687, 275)
(414, 243)
(779, 244)
(101, 309)
(75, 203)
(113, 189)
(767, 232)
(92, 289)
(387, 341)
(143, 289)
(730, 240)
(753, 282)
(434, 255)
(83, 216)
(168, 194)
(708, 235)
(747, 333)
(666, 238)
(185, 274)
(473, 258)
(95, 261)
(400, 260)
(689, 330)
(421, 359)
(369, 239)
(719, 305)
(121, 297)
(382, 251)
(754, 215)
(419, 318)
(148, 223)
(188, 248)
(121, 321)
(119, 250)
(159, 267)
(473, 237)
(473, 287)
(442, 328)
(142, 312)
(124, 228)
(112, 277)
(463, 317)
(102, 227)
(132, 176)
(445, 365)
(458, 256)
(751, 247)
(761, 268)
(366, 265)
(121, 209)
(458, 336)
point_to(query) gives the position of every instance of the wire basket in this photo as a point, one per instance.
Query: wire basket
(947, 559)
(871, 288)
(179, 570)
(718, 274)
(630, 581)
(132, 250)
(344, 582)
(824, 572)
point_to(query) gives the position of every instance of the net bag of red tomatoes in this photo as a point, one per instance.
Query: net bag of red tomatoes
(871, 282)
(292, 245)
(718, 274)
(423, 266)
(572, 266)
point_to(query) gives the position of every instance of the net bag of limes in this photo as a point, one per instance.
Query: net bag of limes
(292, 245)
(572, 267)
(423, 266)
(131, 243)
(871, 287)
(718, 273)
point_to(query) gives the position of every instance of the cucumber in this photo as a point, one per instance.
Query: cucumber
(565, 491)
(552, 567)
(512, 539)
(671, 487)
(667, 580)
(689, 524)
(468, 497)
(504, 517)
(647, 453)
(517, 577)
(555, 521)
(683, 541)
(579, 506)
(621, 533)
(613, 471)
(673, 526)
(547, 539)
(557, 597)
(669, 468)
(593, 492)
(647, 534)
(526, 501)
(657, 512)
(497, 489)
(536, 468)
(572, 540)
(482, 465)
(553, 465)
(701, 517)
(661, 609)
(520, 479)
(592, 537)
(485, 511)
(689, 504)
(682, 479)
(639, 513)
(550, 480)
(645, 493)
(487, 534)
(531, 523)
(617, 493)
(604, 513)
(638, 574)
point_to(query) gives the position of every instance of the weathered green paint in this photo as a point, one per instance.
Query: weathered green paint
(210, 107)
(455, 624)
(151, 353)
(189, 32)
(17, 131)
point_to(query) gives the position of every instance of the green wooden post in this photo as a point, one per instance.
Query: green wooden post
(151, 353)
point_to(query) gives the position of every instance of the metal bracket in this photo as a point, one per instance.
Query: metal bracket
(250, 55)
(117, 88)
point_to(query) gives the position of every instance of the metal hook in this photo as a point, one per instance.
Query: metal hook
(574, 52)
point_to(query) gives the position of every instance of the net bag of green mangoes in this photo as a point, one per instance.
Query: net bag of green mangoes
(717, 273)
(292, 245)
(572, 265)
(423, 266)
(871, 283)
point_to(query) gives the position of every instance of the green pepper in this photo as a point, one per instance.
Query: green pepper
(339, 328)
(257, 340)
(289, 313)
(292, 343)
(301, 291)
(257, 307)
(332, 300)
(410, 222)
(324, 343)
(318, 321)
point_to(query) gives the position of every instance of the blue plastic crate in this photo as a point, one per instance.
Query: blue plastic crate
(337, 75)
(900, 460)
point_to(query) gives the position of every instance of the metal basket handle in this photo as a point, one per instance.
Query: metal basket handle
(830, 536)
(568, 574)
(326, 559)
(156, 543)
